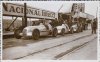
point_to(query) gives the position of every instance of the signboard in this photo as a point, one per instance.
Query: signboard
(10, 9)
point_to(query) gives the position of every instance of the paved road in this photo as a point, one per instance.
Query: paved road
(61, 50)
(86, 52)
(52, 48)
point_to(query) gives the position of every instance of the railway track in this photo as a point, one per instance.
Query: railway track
(11, 41)
(55, 46)
(73, 49)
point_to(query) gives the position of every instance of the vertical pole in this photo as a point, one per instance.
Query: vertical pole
(58, 12)
(13, 23)
(96, 14)
(24, 20)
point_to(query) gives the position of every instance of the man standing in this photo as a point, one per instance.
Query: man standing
(94, 26)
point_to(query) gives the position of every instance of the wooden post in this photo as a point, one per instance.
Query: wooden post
(24, 20)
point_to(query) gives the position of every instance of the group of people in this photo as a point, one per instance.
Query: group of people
(93, 25)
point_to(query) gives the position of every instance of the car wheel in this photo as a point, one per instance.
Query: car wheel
(35, 34)
(81, 30)
(78, 30)
(17, 33)
(63, 32)
(71, 31)
(54, 32)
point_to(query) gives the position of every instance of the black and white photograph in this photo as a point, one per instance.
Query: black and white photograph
(49, 0)
(49, 30)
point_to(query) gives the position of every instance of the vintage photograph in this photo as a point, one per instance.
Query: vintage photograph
(49, 30)
(49, 0)
(0, 31)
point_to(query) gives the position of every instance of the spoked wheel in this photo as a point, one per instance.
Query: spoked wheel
(78, 30)
(17, 33)
(63, 32)
(54, 32)
(81, 30)
(35, 34)
(71, 31)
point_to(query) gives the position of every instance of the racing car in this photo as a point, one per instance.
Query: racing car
(36, 31)
(64, 28)
(77, 28)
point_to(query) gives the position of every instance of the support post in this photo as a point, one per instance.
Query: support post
(24, 19)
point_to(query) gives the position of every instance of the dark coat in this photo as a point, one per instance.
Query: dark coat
(94, 24)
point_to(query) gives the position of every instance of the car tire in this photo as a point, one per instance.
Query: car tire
(63, 32)
(35, 34)
(81, 30)
(71, 31)
(17, 33)
(54, 32)
(78, 30)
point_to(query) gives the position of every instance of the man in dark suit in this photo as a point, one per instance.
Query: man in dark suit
(94, 26)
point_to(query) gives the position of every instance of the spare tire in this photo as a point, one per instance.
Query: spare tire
(35, 34)
(54, 32)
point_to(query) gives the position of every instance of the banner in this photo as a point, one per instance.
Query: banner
(10, 9)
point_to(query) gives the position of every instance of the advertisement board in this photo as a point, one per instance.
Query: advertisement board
(10, 9)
